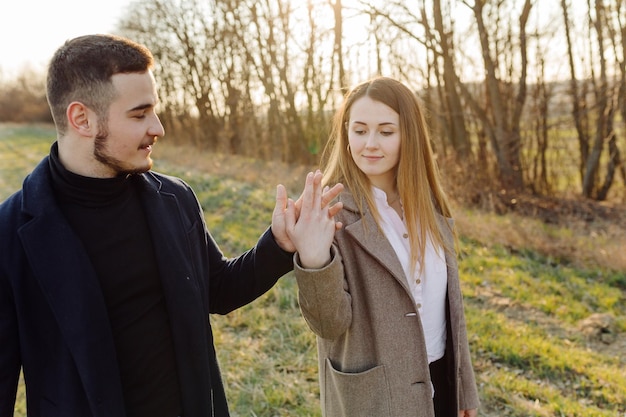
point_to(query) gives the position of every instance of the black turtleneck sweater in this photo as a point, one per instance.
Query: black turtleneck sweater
(109, 219)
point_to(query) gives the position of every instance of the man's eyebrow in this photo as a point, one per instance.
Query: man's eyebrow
(141, 107)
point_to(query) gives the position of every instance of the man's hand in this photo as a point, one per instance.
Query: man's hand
(283, 204)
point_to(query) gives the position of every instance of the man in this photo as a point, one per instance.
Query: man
(108, 273)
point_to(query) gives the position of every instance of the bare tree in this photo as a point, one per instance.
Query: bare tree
(592, 163)
(319, 83)
(455, 119)
(578, 99)
(501, 119)
(615, 32)
(23, 98)
(536, 172)
(266, 52)
(606, 95)
(337, 8)
(621, 98)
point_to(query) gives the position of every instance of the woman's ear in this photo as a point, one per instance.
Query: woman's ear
(78, 118)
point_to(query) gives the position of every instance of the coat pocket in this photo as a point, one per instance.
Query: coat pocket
(360, 394)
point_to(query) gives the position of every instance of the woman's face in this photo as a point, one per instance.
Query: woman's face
(374, 138)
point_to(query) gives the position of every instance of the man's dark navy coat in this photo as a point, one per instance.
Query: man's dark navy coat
(53, 319)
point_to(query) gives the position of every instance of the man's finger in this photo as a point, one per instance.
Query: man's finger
(281, 199)
(334, 209)
(290, 216)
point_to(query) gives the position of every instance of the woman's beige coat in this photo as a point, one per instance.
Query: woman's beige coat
(372, 354)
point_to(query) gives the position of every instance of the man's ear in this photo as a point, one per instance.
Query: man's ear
(79, 118)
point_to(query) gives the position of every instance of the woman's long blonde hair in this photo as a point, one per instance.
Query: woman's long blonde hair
(417, 175)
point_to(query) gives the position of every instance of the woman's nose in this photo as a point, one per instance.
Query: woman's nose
(372, 141)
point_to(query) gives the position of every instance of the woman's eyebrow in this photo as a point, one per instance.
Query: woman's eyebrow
(379, 124)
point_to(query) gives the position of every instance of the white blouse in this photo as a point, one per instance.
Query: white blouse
(429, 287)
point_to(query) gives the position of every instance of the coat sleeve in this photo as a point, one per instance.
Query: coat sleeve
(233, 282)
(238, 281)
(325, 301)
(187, 247)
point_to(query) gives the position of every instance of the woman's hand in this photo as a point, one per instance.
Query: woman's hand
(285, 205)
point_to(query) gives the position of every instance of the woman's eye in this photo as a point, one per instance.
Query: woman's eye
(386, 133)
(359, 131)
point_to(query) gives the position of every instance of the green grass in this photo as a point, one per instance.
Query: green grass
(21, 148)
(537, 283)
(523, 312)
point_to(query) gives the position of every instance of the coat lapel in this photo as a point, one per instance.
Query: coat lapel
(169, 228)
(66, 276)
(368, 235)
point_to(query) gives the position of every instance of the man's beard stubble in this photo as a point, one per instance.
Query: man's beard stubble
(99, 152)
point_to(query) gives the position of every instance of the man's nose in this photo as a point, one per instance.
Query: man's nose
(157, 128)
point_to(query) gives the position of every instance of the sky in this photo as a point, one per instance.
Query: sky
(31, 30)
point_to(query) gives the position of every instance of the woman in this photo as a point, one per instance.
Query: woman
(383, 294)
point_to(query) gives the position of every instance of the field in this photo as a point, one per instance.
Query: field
(545, 302)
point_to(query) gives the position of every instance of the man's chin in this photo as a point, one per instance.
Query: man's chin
(138, 170)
